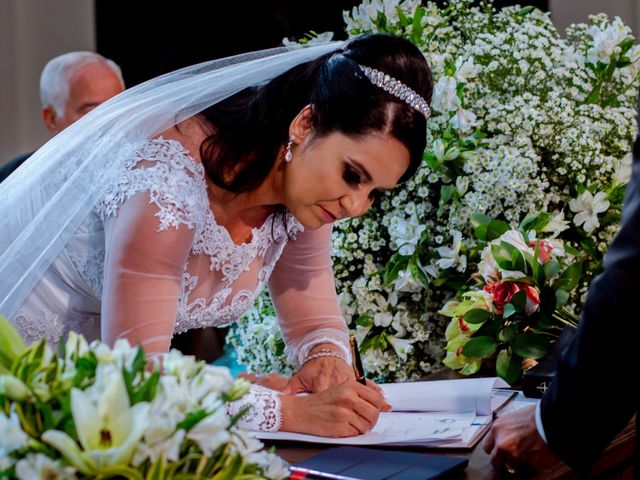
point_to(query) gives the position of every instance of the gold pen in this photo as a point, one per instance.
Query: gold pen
(356, 361)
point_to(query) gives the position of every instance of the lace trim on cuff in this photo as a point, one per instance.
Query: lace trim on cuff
(306, 348)
(265, 412)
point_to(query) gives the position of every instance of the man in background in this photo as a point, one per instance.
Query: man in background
(71, 85)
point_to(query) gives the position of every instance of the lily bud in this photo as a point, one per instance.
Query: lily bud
(13, 388)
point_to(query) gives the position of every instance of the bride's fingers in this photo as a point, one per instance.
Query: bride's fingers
(375, 398)
(374, 385)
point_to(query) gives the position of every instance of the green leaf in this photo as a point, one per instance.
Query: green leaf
(404, 21)
(476, 315)
(534, 221)
(542, 321)
(417, 27)
(507, 333)
(496, 229)
(490, 328)
(551, 268)
(531, 345)
(192, 419)
(562, 297)
(508, 367)
(231, 469)
(509, 310)
(519, 300)
(526, 11)
(139, 362)
(480, 225)
(446, 192)
(118, 471)
(518, 261)
(431, 160)
(626, 44)
(241, 413)
(11, 344)
(146, 392)
(479, 347)
(156, 470)
(502, 255)
(478, 219)
(417, 271)
(570, 278)
(589, 246)
(364, 321)
(280, 346)
(396, 264)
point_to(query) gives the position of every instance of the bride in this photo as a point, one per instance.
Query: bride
(171, 206)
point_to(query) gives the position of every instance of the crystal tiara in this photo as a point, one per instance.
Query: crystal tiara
(397, 89)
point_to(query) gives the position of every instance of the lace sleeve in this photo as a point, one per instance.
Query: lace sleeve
(304, 295)
(264, 413)
(150, 220)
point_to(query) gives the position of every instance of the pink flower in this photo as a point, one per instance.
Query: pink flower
(544, 249)
(533, 300)
(464, 326)
(503, 292)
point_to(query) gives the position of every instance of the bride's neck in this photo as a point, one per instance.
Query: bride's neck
(250, 208)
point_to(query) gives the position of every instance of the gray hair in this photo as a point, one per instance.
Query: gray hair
(54, 81)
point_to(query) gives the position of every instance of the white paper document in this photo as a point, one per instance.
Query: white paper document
(444, 413)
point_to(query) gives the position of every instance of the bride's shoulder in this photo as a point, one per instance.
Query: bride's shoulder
(187, 135)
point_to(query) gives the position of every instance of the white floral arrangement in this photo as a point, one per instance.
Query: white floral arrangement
(96, 412)
(525, 121)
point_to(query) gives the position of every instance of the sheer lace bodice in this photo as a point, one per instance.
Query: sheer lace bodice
(151, 261)
(220, 279)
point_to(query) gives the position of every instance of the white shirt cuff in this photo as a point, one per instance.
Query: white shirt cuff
(539, 425)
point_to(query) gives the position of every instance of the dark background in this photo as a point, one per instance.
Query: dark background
(151, 38)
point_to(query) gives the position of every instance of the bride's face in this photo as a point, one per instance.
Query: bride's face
(338, 176)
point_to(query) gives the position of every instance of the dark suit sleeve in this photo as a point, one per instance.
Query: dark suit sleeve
(592, 397)
(12, 165)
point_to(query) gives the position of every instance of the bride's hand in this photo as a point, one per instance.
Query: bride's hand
(272, 380)
(320, 373)
(342, 410)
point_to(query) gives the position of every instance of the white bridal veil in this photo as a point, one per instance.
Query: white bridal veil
(44, 202)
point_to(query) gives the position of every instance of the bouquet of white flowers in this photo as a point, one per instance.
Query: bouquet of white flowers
(97, 412)
(524, 122)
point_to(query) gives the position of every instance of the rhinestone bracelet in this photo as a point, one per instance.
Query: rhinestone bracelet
(324, 353)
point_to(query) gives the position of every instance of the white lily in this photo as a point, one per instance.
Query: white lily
(587, 207)
(556, 225)
(438, 149)
(406, 282)
(402, 346)
(108, 428)
(40, 467)
(450, 256)
(463, 120)
(211, 432)
(445, 96)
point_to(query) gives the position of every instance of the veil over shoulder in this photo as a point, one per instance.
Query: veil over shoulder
(45, 201)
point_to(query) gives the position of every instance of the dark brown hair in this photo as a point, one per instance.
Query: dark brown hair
(250, 127)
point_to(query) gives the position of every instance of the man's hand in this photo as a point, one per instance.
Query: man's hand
(514, 443)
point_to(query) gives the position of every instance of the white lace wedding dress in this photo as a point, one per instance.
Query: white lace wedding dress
(151, 261)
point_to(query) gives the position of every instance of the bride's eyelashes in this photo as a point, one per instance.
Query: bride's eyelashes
(353, 178)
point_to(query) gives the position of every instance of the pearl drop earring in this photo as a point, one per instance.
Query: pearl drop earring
(288, 156)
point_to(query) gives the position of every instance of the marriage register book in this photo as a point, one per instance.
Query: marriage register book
(442, 413)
